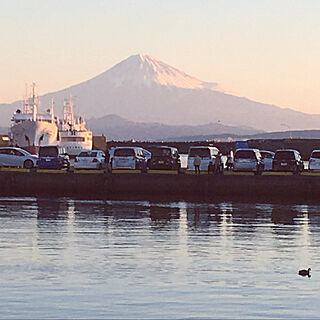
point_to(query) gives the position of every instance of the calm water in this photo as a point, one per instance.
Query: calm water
(93, 259)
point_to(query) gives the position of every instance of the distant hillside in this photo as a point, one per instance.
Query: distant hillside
(295, 134)
(117, 128)
(6, 112)
(4, 130)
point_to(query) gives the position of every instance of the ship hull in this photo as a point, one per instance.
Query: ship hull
(30, 135)
(75, 141)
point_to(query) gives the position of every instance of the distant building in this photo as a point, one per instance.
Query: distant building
(99, 143)
(4, 140)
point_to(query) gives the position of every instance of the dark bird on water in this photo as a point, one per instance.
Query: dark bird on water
(305, 272)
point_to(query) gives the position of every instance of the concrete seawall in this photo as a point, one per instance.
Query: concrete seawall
(183, 186)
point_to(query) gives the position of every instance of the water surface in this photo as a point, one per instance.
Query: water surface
(64, 258)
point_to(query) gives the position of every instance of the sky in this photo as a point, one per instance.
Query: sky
(265, 50)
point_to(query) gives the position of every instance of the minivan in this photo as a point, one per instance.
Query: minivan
(128, 158)
(314, 161)
(206, 153)
(288, 160)
(53, 157)
(248, 160)
(164, 157)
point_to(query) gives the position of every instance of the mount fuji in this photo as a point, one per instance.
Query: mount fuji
(144, 89)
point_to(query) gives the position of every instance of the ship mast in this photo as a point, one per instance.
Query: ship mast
(68, 112)
(26, 105)
(51, 110)
(34, 101)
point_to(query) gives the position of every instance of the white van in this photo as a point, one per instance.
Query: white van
(248, 160)
(314, 161)
(128, 158)
(207, 155)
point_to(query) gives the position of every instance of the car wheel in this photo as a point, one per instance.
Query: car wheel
(28, 164)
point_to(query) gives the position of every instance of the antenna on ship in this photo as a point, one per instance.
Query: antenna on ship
(26, 105)
(68, 112)
(51, 110)
(34, 102)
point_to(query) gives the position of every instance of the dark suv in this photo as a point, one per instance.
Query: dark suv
(53, 157)
(288, 160)
(164, 157)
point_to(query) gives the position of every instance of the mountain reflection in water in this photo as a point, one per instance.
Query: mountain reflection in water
(63, 258)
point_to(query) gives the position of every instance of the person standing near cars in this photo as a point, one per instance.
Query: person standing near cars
(107, 160)
(107, 153)
(217, 164)
(196, 163)
(230, 160)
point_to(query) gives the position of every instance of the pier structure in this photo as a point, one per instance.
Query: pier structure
(143, 185)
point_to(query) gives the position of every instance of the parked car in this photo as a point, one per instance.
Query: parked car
(206, 153)
(164, 157)
(128, 158)
(90, 159)
(248, 160)
(147, 154)
(17, 157)
(314, 161)
(288, 160)
(267, 157)
(53, 157)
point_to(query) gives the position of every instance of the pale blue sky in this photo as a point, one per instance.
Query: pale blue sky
(266, 50)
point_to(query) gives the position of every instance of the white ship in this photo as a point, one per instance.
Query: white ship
(31, 129)
(74, 136)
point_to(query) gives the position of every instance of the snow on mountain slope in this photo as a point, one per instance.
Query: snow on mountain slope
(141, 88)
(143, 69)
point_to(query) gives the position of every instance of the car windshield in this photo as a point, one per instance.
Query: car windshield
(245, 154)
(316, 155)
(124, 152)
(161, 152)
(284, 155)
(48, 152)
(201, 152)
(87, 154)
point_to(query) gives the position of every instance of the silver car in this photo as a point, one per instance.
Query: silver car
(248, 160)
(128, 158)
(314, 161)
(17, 157)
(90, 159)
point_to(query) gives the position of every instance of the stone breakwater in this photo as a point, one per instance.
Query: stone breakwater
(182, 186)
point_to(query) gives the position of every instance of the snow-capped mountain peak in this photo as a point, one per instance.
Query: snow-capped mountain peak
(145, 89)
(144, 69)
